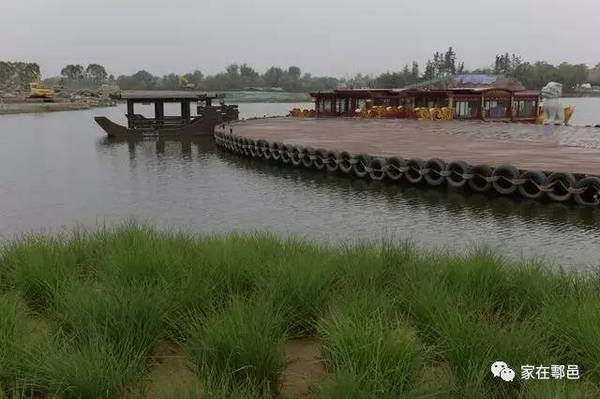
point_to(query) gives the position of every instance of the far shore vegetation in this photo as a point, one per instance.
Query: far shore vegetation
(241, 77)
(133, 312)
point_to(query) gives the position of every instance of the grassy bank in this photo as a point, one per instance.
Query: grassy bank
(132, 313)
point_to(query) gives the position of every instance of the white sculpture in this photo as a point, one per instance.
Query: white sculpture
(551, 104)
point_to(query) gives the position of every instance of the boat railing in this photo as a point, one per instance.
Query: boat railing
(140, 122)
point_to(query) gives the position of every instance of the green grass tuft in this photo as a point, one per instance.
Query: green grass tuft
(239, 344)
(368, 350)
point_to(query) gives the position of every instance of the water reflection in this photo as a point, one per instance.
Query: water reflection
(433, 200)
(163, 146)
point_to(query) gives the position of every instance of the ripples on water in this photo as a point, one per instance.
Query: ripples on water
(59, 170)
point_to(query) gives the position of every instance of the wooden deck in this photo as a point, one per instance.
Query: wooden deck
(525, 146)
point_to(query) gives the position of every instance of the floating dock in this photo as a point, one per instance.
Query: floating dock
(535, 161)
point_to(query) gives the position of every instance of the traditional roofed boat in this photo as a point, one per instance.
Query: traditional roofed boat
(486, 104)
(208, 116)
(475, 97)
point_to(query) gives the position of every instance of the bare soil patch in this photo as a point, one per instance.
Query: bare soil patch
(304, 368)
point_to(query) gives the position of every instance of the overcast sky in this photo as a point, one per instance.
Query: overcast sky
(325, 37)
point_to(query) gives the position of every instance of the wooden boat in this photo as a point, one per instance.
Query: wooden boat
(185, 124)
(462, 97)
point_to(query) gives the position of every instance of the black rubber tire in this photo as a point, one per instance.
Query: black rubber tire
(297, 155)
(253, 148)
(393, 165)
(591, 196)
(378, 168)
(434, 177)
(506, 173)
(413, 174)
(276, 151)
(529, 189)
(346, 162)
(333, 158)
(455, 170)
(320, 159)
(285, 154)
(307, 157)
(259, 151)
(361, 165)
(266, 147)
(562, 181)
(478, 183)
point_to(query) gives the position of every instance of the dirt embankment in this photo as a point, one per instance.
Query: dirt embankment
(26, 108)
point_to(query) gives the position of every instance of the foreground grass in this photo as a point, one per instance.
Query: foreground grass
(81, 316)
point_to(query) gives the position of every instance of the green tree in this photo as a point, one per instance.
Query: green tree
(195, 78)
(249, 77)
(430, 70)
(594, 74)
(291, 79)
(449, 62)
(7, 73)
(272, 77)
(390, 80)
(572, 75)
(145, 80)
(96, 72)
(26, 72)
(414, 73)
(72, 72)
(169, 82)
(506, 64)
(359, 81)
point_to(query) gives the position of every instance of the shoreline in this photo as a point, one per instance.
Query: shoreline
(35, 108)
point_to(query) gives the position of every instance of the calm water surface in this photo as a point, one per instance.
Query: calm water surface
(587, 110)
(58, 170)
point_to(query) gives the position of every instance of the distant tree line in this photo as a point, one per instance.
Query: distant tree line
(536, 75)
(441, 64)
(18, 75)
(242, 76)
(235, 77)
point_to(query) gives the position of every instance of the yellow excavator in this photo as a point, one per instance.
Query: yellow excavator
(184, 83)
(37, 90)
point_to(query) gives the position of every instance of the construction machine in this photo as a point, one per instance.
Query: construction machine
(37, 90)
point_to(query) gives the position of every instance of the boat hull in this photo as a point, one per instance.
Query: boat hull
(201, 127)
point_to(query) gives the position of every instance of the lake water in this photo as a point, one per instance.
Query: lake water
(58, 170)
(587, 110)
